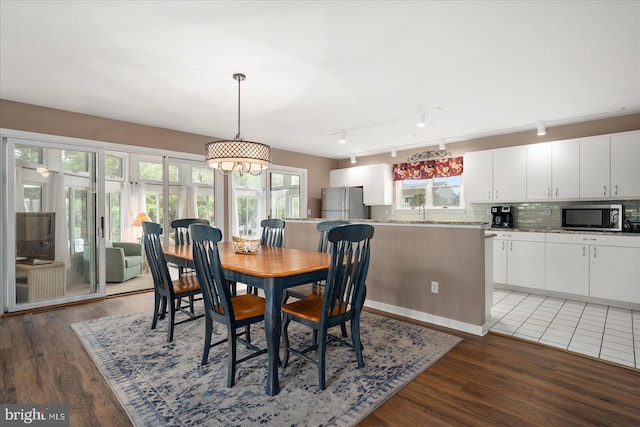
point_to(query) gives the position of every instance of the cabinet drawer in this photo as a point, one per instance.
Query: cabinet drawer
(594, 239)
(519, 236)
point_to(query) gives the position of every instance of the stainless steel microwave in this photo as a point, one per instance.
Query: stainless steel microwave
(592, 217)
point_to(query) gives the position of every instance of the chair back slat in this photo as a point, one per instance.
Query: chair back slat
(272, 232)
(155, 257)
(206, 259)
(181, 229)
(350, 253)
(323, 228)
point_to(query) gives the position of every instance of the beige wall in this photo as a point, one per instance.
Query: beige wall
(33, 118)
(556, 133)
(404, 261)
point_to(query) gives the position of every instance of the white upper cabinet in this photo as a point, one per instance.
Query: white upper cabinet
(595, 168)
(625, 161)
(478, 176)
(539, 171)
(510, 174)
(565, 169)
(376, 180)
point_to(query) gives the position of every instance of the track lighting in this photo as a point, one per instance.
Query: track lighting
(442, 146)
(342, 139)
(353, 158)
(423, 120)
(542, 130)
(394, 153)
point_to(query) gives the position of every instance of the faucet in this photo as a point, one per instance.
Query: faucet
(422, 211)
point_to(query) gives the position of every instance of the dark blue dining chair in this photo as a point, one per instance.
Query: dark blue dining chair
(168, 293)
(342, 301)
(236, 312)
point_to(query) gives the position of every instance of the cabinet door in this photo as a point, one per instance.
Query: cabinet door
(567, 268)
(340, 178)
(525, 264)
(377, 181)
(595, 167)
(539, 171)
(565, 169)
(625, 173)
(510, 174)
(478, 176)
(499, 261)
(615, 273)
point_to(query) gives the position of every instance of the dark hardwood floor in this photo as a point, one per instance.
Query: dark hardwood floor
(491, 380)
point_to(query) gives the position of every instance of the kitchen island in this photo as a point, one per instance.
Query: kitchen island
(407, 257)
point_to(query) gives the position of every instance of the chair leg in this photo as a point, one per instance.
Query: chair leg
(343, 327)
(231, 369)
(191, 304)
(207, 340)
(163, 308)
(355, 335)
(172, 321)
(156, 308)
(322, 349)
(247, 334)
(285, 340)
(234, 287)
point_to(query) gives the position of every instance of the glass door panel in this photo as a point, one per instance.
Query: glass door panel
(55, 228)
(284, 190)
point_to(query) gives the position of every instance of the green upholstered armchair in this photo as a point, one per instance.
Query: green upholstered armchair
(124, 261)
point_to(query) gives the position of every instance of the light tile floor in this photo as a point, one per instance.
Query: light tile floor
(608, 333)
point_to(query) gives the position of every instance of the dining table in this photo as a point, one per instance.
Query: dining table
(271, 269)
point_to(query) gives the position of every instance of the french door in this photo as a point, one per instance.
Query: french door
(54, 200)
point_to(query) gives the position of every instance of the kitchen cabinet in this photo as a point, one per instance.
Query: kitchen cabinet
(518, 259)
(478, 176)
(376, 182)
(625, 157)
(595, 166)
(510, 174)
(539, 171)
(565, 169)
(495, 175)
(599, 266)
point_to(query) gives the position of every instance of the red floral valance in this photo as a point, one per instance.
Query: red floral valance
(427, 169)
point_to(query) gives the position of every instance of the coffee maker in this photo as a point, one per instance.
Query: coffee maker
(502, 217)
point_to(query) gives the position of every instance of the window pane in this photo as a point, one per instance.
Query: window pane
(113, 167)
(174, 173)
(202, 175)
(152, 203)
(75, 161)
(33, 198)
(285, 195)
(28, 154)
(173, 206)
(150, 171)
(413, 193)
(446, 191)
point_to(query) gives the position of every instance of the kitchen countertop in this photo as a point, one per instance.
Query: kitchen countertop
(521, 230)
(400, 221)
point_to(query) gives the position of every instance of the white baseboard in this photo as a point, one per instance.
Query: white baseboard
(428, 318)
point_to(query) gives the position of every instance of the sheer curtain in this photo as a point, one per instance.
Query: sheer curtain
(188, 207)
(56, 202)
(19, 192)
(133, 195)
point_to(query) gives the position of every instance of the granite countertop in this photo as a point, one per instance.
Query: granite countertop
(522, 230)
(400, 221)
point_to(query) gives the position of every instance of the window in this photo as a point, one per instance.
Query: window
(434, 193)
(75, 161)
(32, 198)
(246, 198)
(113, 217)
(285, 195)
(27, 155)
(152, 171)
(113, 167)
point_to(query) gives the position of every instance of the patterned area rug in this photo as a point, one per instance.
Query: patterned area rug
(163, 384)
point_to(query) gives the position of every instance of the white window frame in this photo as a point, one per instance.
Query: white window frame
(429, 200)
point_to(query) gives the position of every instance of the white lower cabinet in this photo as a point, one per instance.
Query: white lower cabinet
(518, 259)
(599, 266)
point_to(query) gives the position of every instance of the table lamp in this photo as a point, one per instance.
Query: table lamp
(139, 219)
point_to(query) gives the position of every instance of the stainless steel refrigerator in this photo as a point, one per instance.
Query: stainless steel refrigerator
(343, 203)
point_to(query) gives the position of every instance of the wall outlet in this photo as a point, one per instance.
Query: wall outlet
(547, 211)
(434, 287)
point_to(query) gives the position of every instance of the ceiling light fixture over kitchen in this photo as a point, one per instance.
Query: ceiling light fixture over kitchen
(443, 145)
(394, 153)
(542, 130)
(343, 138)
(238, 155)
(423, 120)
(353, 158)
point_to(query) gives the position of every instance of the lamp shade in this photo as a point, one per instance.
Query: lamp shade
(140, 218)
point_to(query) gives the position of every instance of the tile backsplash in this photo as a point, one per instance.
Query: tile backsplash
(527, 216)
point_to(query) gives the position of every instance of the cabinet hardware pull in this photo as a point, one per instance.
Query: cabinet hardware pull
(503, 245)
(549, 192)
(496, 194)
(605, 190)
(556, 191)
(511, 246)
(584, 251)
(489, 195)
(587, 239)
(595, 252)
(615, 189)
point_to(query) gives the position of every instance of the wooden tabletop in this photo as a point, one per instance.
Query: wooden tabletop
(268, 262)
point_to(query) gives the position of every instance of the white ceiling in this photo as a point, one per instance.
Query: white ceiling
(315, 69)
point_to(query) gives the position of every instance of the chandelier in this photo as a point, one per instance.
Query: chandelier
(238, 155)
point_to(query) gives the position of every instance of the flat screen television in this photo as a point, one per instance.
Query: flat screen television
(35, 235)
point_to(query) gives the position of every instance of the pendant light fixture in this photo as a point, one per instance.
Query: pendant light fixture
(238, 155)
